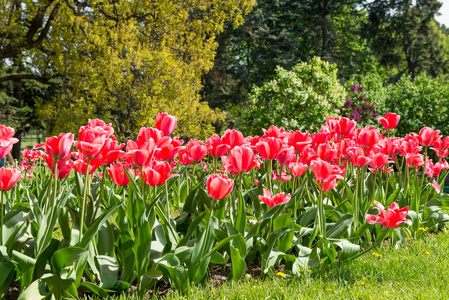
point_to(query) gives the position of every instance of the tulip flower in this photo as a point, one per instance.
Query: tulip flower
(63, 168)
(275, 132)
(345, 127)
(91, 141)
(297, 169)
(102, 124)
(146, 133)
(390, 120)
(240, 159)
(219, 186)
(367, 137)
(299, 140)
(414, 160)
(8, 178)
(6, 140)
(57, 146)
(170, 151)
(80, 165)
(428, 136)
(272, 201)
(157, 173)
(216, 146)
(141, 155)
(196, 150)
(378, 161)
(233, 138)
(118, 174)
(166, 123)
(269, 147)
(358, 159)
(285, 155)
(184, 158)
(332, 122)
(393, 217)
(283, 177)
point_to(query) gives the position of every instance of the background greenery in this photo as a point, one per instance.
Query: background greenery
(215, 64)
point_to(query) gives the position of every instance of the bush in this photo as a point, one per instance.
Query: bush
(422, 102)
(297, 99)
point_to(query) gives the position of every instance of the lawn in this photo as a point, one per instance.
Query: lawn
(418, 270)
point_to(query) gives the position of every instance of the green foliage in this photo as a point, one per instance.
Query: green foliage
(422, 102)
(297, 99)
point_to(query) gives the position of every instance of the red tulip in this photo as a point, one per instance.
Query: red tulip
(216, 146)
(100, 123)
(118, 174)
(299, 140)
(8, 178)
(414, 160)
(184, 158)
(345, 127)
(219, 186)
(284, 177)
(170, 151)
(285, 155)
(409, 147)
(233, 138)
(6, 140)
(269, 147)
(57, 146)
(166, 123)
(146, 133)
(393, 217)
(280, 198)
(157, 173)
(297, 169)
(325, 152)
(427, 136)
(196, 150)
(358, 159)
(91, 140)
(322, 169)
(332, 122)
(63, 168)
(80, 165)
(141, 155)
(275, 132)
(367, 137)
(240, 159)
(436, 186)
(378, 161)
(31, 155)
(390, 120)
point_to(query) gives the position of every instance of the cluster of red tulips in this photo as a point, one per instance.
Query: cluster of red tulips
(152, 156)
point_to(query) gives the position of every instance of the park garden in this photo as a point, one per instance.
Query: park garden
(223, 149)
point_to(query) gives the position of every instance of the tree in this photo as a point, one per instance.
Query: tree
(118, 60)
(406, 37)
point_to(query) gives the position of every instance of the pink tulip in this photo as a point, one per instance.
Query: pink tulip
(272, 201)
(8, 178)
(393, 217)
(390, 120)
(166, 123)
(428, 136)
(219, 186)
(6, 140)
(57, 146)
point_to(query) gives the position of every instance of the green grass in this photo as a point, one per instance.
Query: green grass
(418, 270)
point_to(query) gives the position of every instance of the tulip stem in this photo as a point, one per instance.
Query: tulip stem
(187, 182)
(103, 179)
(1, 216)
(321, 213)
(423, 173)
(269, 173)
(355, 202)
(83, 204)
(167, 203)
(55, 175)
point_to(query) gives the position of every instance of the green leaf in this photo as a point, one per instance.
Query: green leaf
(66, 257)
(340, 227)
(108, 268)
(6, 273)
(26, 266)
(238, 268)
(35, 291)
(89, 286)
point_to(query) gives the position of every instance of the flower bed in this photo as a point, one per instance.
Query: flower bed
(161, 211)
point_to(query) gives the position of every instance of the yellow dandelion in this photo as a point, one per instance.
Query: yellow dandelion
(426, 252)
(329, 290)
(362, 282)
(421, 229)
(282, 274)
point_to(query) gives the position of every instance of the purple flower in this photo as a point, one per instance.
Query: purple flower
(361, 88)
(353, 88)
(374, 115)
(358, 109)
(362, 97)
(355, 116)
(371, 107)
(269, 104)
(365, 105)
(348, 103)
